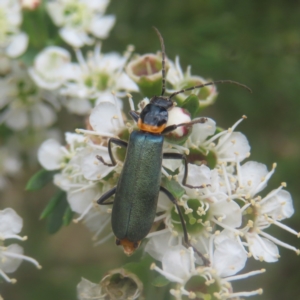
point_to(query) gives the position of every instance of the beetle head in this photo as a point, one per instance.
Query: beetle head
(153, 118)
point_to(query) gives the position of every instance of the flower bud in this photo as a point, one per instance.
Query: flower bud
(178, 115)
(146, 72)
(206, 95)
(121, 284)
(88, 290)
(30, 4)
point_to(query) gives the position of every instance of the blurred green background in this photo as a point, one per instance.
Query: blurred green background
(253, 42)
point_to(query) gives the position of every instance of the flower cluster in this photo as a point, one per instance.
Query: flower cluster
(13, 42)
(222, 214)
(225, 215)
(12, 255)
(79, 19)
(82, 85)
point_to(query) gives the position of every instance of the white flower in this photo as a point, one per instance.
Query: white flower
(23, 102)
(180, 80)
(95, 79)
(224, 147)
(51, 155)
(10, 225)
(79, 175)
(260, 212)
(13, 42)
(96, 220)
(52, 67)
(80, 18)
(12, 256)
(106, 119)
(178, 265)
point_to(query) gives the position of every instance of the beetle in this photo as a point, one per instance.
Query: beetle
(136, 193)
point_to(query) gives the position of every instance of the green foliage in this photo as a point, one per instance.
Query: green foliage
(40, 179)
(57, 212)
(174, 187)
(191, 104)
(160, 281)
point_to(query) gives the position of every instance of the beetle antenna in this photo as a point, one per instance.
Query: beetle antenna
(211, 83)
(163, 62)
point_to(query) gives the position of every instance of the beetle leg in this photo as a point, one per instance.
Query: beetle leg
(106, 195)
(183, 157)
(185, 234)
(189, 124)
(117, 142)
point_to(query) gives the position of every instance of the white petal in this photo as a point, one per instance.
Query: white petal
(173, 75)
(92, 168)
(229, 257)
(98, 5)
(100, 27)
(51, 58)
(125, 83)
(158, 245)
(197, 175)
(18, 45)
(103, 117)
(252, 173)
(72, 36)
(9, 264)
(42, 115)
(172, 164)
(62, 181)
(235, 146)
(56, 12)
(16, 119)
(203, 130)
(41, 82)
(231, 211)
(177, 261)
(79, 200)
(280, 206)
(72, 138)
(262, 248)
(50, 155)
(10, 222)
(50, 67)
(78, 106)
(96, 218)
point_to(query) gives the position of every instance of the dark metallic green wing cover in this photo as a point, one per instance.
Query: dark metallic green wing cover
(138, 187)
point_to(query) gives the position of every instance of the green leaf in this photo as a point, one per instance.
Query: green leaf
(56, 218)
(174, 187)
(141, 269)
(68, 216)
(191, 104)
(160, 281)
(39, 180)
(54, 201)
